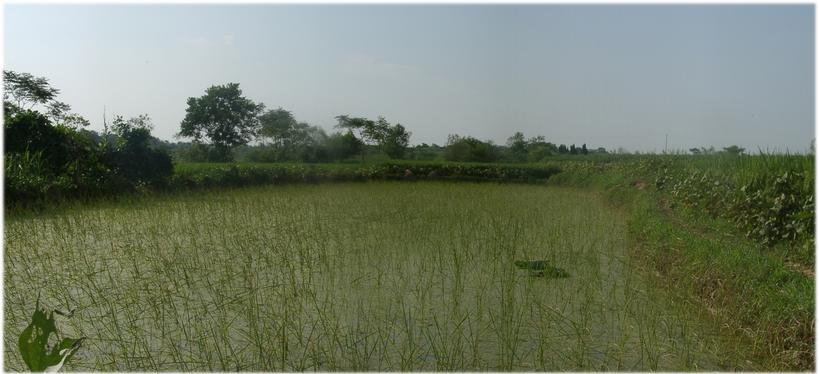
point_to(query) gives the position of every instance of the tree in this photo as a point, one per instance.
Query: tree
(133, 157)
(734, 150)
(584, 150)
(391, 139)
(395, 141)
(292, 140)
(278, 125)
(469, 149)
(517, 147)
(375, 131)
(573, 150)
(343, 145)
(354, 124)
(223, 116)
(562, 149)
(23, 91)
(537, 148)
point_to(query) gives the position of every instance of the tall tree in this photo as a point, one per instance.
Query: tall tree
(395, 141)
(562, 149)
(223, 116)
(278, 125)
(134, 157)
(354, 124)
(517, 147)
(23, 91)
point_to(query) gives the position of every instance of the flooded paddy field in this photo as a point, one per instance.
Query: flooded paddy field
(368, 276)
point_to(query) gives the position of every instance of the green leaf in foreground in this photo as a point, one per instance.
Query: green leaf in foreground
(33, 344)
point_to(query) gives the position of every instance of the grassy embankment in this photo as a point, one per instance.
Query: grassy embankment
(695, 232)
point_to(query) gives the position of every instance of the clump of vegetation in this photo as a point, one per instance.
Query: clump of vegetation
(770, 197)
(211, 175)
(223, 117)
(542, 268)
(49, 156)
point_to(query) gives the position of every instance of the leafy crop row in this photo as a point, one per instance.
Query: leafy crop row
(771, 207)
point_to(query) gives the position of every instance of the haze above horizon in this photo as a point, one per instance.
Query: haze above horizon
(605, 75)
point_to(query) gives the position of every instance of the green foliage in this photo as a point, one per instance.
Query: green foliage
(517, 147)
(391, 139)
(34, 344)
(198, 152)
(542, 268)
(47, 161)
(290, 140)
(26, 176)
(341, 146)
(394, 140)
(278, 125)
(222, 116)
(689, 232)
(215, 175)
(734, 150)
(469, 149)
(134, 158)
(425, 152)
(23, 91)
(771, 205)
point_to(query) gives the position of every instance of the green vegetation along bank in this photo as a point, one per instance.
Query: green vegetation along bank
(691, 230)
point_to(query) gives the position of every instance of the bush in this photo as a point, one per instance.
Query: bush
(134, 159)
(46, 161)
(51, 162)
(469, 149)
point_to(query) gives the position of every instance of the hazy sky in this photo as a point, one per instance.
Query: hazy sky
(611, 76)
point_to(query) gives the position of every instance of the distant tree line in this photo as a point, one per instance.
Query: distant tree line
(223, 121)
(49, 151)
(223, 124)
(732, 150)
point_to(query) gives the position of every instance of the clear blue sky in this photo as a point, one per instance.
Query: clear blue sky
(605, 75)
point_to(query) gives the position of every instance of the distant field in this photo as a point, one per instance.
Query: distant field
(375, 276)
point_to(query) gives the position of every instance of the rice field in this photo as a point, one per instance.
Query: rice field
(366, 276)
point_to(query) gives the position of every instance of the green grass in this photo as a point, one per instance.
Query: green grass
(753, 292)
(368, 276)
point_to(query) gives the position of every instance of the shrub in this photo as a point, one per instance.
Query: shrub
(133, 157)
(469, 149)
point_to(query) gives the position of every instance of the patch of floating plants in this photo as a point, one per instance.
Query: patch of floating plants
(542, 268)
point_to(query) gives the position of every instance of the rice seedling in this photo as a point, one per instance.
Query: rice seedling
(372, 276)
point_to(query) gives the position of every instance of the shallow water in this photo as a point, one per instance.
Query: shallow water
(372, 276)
